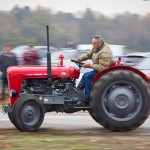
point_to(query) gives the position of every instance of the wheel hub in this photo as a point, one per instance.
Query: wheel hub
(30, 114)
(121, 101)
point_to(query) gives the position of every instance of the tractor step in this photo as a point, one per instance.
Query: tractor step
(82, 107)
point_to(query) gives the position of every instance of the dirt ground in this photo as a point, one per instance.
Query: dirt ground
(47, 138)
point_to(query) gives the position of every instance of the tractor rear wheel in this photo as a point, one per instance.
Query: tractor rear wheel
(120, 100)
(28, 113)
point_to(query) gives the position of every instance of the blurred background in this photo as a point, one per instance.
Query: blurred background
(73, 23)
(22, 24)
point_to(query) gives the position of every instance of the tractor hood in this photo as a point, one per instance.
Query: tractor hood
(41, 72)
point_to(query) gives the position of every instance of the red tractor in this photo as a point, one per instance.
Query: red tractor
(119, 100)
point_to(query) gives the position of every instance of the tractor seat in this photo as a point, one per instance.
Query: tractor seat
(117, 62)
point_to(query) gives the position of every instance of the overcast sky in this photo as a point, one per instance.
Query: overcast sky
(106, 7)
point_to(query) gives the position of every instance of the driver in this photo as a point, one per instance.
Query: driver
(101, 57)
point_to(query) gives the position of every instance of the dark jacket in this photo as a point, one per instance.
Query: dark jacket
(31, 57)
(6, 60)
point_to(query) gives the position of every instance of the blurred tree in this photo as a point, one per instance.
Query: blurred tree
(23, 25)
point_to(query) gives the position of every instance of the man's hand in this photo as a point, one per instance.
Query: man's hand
(86, 65)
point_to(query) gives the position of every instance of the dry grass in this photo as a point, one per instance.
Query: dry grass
(45, 139)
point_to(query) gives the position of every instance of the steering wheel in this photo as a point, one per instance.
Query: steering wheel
(80, 64)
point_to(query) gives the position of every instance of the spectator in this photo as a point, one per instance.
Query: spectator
(31, 56)
(7, 58)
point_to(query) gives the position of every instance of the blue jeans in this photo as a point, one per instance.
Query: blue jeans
(86, 82)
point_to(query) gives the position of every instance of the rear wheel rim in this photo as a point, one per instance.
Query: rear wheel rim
(123, 106)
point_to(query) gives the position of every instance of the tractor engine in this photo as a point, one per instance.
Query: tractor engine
(63, 88)
(41, 86)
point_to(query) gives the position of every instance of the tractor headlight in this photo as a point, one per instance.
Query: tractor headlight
(12, 93)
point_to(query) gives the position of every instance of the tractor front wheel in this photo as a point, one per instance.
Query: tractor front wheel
(10, 116)
(28, 113)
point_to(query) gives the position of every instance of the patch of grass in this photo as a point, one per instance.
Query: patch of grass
(45, 139)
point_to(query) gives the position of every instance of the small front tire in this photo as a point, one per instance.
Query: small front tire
(28, 113)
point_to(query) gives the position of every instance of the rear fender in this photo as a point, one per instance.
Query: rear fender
(101, 73)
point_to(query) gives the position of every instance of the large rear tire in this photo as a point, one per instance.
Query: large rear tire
(120, 101)
(28, 113)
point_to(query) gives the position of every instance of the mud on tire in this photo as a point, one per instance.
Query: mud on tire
(120, 101)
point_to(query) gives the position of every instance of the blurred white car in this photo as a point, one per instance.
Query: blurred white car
(144, 66)
(132, 59)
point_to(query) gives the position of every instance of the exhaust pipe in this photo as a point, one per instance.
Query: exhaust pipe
(49, 71)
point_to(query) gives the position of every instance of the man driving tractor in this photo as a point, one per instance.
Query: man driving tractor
(102, 58)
